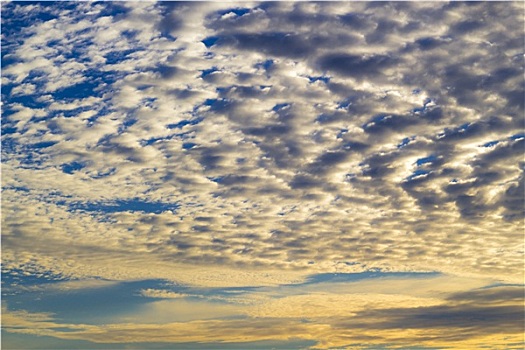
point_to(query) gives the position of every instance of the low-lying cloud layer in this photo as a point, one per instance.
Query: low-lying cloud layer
(430, 311)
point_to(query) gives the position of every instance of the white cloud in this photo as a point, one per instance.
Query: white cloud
(163, 294)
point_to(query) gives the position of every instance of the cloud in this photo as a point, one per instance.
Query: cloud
(246, 144)
(356, 66)
(332, 314)
(156, 293)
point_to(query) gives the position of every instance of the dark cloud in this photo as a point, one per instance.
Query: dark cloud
(112, 144)
(241, 92)
(510, 149)
(304, 182)
(515, 98)
(268, 130)
(490, 295)
(327, 161)
(167, 72)
(465, 315)
(356, 66)
(380, 34)
(470, 206)
(388, 122)
(172, 16)
(283, 44)
(356, 21)
(513, 200)
(466, 27)
(428, 43)
(210, 158)
(232, 179)
(274, 44)
(183, 94)
(480, 318)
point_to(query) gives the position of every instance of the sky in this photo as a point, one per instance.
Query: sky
(259, 175)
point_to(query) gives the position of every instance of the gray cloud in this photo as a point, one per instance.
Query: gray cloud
(466, 314)
(356, 66)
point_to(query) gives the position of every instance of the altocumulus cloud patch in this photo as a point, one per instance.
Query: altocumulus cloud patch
(274, 174)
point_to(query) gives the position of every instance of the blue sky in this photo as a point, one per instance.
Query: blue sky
(262, 175)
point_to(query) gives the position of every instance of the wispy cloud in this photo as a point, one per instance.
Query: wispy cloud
(330, 318)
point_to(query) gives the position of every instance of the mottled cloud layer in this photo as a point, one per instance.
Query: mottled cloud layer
(255, 144)
(304, 136)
